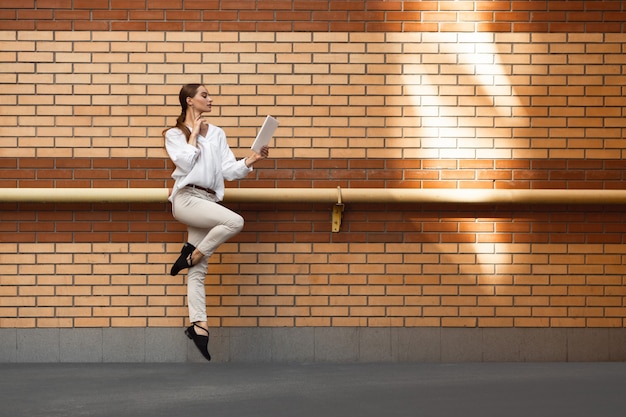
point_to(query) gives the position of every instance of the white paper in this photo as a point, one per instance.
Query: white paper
(265, 134)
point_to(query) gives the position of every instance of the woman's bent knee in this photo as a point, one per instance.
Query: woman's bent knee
(236, 223)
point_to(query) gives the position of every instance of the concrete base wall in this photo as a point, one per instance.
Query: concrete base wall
(316, 344)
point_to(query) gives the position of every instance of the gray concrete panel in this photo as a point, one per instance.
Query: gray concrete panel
(293, 344)
(461, 345)
(315, 344)
(250, 344)
(80, 345)
(336, 344)
(584, 345)
(38, 345)
(617, 345)
(124, 344)
(501, 345)
(417, 344)
(543, 345)
(8, 345)
(165, 345)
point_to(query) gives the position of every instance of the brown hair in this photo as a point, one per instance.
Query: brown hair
(188, 90)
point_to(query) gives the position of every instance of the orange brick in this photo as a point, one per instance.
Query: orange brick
(128, 322)
(54, 322)
(495, 322)
(276, 322)
(349, 321)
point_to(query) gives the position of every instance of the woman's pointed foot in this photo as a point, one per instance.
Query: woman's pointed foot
(184, 260)
(201, 340)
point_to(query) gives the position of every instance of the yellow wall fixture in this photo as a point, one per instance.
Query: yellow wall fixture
(339, 196)
(337, 212)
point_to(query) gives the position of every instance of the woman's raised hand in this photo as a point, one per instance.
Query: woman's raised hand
(255, 157)
(200, 126)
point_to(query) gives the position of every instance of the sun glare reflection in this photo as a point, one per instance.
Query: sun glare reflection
(465, 101)
(464, 92)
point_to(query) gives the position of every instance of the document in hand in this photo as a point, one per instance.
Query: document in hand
(265, 134)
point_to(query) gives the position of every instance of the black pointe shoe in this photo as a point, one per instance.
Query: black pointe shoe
(184, 260)
(201, 341)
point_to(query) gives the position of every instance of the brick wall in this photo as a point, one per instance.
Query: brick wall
(315, 15)
(498, 95)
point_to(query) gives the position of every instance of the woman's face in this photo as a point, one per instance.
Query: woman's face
(201, 102)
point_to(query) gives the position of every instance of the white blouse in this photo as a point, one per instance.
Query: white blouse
(206, 165)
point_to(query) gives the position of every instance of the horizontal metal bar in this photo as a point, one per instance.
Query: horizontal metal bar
(320, 195)
(83, 195)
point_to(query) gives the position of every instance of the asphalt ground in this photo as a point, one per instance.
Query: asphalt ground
(243, 389)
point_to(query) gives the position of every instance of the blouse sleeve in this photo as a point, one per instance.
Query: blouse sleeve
(181, 153)
(232, 168)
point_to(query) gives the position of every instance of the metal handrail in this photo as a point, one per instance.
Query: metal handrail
(321, 195)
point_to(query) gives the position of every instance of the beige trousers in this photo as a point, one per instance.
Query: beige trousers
(209, 224)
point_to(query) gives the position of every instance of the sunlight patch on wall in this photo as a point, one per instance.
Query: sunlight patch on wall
(463, 97)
